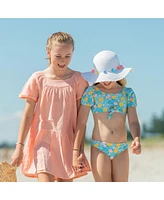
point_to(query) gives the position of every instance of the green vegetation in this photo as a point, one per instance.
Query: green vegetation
(156, 124)
(6, 145)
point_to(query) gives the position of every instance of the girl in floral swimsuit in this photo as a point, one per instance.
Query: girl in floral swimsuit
(110, 101)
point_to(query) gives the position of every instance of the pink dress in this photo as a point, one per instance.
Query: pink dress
(50, 139)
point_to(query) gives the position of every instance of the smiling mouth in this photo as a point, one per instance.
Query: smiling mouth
(107, 84)
(61, 66)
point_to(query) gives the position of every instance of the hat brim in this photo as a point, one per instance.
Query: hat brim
(108, 76)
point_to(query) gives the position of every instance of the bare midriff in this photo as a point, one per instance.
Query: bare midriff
(113, 130)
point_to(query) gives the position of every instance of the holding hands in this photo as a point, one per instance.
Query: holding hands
(78, 161)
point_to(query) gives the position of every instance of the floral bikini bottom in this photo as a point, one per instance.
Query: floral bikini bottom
(111, 149)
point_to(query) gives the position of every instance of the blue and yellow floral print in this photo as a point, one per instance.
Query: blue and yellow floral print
(103, 102)
(111, 149)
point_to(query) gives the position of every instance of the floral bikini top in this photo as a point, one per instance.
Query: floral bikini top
(103, 102)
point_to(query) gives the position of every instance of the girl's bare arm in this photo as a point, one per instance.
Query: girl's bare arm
(83, 139)
(135, 130)
(81, 126)
(134, 123)
(26, 120)
(23, 131)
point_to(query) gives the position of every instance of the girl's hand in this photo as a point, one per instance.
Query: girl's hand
(136, 147)
(77, 161)
(17, 156)
(81, 159)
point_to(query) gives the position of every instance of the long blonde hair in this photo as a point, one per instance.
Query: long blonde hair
(61, 37)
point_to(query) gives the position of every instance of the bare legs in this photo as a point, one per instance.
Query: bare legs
(64, 180)
(101, 166)
(120, 165)
(45, 177)
(106, 170)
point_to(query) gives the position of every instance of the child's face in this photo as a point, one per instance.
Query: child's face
(60, 55)
(107, 84)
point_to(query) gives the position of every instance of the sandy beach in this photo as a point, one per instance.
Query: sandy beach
(146, 167)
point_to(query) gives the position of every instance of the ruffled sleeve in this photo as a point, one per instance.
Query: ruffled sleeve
(30, 89)
(81, 86)
(132, 100)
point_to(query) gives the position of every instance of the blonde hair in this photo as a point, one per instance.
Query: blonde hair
(122, 82)
(60, 37)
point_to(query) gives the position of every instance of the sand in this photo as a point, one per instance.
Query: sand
(146, 167)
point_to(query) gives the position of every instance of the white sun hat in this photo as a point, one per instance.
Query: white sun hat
(106, 68)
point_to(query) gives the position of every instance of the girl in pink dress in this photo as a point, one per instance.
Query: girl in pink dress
(50, 114)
